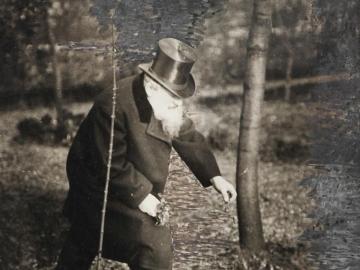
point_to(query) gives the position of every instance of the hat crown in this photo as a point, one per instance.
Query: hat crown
(173, 61)
(172, 65)
(177, 50)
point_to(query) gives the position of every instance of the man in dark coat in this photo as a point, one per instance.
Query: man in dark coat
(149, 121)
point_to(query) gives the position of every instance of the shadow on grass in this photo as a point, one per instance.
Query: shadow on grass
(31, 227)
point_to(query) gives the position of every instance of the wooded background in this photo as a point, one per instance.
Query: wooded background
(306, 35)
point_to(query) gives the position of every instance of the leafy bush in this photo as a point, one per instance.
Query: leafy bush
(47, 130)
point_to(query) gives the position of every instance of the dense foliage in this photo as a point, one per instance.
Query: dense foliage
(26, 28)
(20, 24)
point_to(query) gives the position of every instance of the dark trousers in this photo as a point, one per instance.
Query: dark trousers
(77, 254)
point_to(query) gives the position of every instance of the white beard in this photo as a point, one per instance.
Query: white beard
(168, 109)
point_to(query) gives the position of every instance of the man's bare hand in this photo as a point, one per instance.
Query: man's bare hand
(149, 205)
(226, 189)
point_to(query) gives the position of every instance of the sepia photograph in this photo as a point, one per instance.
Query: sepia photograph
(180, 135)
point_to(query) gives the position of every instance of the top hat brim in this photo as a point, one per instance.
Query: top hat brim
(182, 91)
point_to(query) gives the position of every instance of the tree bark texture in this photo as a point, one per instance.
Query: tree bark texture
(250, 226)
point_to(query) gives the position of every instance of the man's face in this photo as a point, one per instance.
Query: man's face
(167, 107)
(154, 90)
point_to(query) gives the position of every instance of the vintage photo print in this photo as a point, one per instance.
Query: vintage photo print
(163, 134)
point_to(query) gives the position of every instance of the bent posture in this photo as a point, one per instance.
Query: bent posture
(149, 121)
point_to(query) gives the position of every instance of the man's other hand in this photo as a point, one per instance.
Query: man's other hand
(226, 189)
(149, 205)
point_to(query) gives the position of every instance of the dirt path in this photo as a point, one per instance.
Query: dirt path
(202, 229)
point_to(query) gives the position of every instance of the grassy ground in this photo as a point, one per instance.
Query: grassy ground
(33, 186)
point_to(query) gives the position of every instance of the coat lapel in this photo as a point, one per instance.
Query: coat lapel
(146, 115)
(155, 129)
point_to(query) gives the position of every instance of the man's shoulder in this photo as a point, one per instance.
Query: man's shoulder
(126, 83)
(124, 94)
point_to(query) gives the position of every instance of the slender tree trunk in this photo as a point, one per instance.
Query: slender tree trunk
(57, 75)
(289, 68)
(290, 51)
(250, 226)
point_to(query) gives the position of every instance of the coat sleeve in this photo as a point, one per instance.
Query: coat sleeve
(195, 152)
(127, 184)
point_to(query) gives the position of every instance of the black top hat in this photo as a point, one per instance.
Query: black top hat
(171, 67)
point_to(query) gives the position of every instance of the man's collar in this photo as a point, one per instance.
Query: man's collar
(142, 104)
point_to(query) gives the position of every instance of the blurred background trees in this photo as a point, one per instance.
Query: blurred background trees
(339, 39)
(32, 62)
(305, 34)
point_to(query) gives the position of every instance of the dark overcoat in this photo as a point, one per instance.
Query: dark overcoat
(140, 163)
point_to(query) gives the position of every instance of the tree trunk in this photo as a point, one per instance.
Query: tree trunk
(290, 51)
(57, 75)
(289, 68)
(250, 226)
